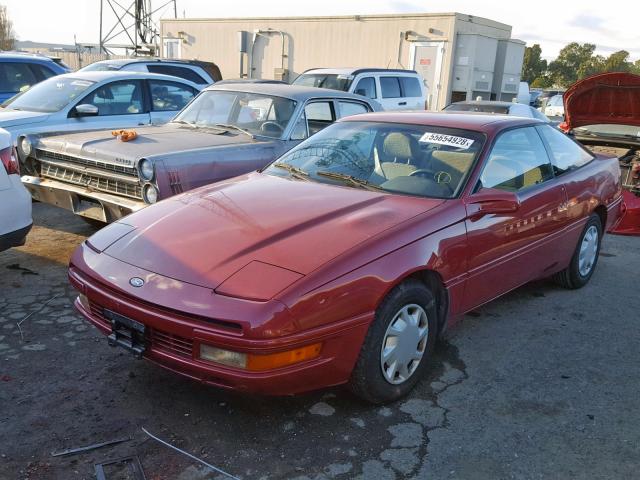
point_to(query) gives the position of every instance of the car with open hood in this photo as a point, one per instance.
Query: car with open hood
(603, 113)
(227, 130)
(343, 260)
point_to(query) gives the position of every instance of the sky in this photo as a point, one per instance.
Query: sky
(612, 25)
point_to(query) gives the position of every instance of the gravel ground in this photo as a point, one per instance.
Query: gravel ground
(542, 383)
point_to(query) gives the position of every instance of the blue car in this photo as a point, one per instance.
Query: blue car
(19, 71)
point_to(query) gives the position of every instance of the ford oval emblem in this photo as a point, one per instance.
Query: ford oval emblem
(136, 282)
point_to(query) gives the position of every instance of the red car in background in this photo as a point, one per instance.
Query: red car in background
(344, 259)
(603, 113)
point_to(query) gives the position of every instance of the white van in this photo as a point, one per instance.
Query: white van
(393, 89)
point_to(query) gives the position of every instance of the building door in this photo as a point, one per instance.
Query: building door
(171, 47)
(426, 59)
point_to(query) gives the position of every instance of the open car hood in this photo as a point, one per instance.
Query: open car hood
(607, 98)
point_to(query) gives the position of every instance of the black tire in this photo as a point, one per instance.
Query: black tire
(571, 277)
(367, 379)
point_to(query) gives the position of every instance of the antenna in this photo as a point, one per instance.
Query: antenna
(131, 28)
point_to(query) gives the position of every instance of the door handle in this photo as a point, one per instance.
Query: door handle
(402, 103)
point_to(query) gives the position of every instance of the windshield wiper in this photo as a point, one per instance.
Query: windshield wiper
(235, 127)
(295, 172)
(358, 182)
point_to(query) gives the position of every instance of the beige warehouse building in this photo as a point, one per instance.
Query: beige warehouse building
(460, 56)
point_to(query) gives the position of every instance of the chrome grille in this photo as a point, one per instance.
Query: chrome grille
(98, 176)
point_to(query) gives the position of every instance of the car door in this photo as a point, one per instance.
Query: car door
(391, 93)
(167, 99)
(366, 86)
(509, 249)
(412, 93)
(120, 104)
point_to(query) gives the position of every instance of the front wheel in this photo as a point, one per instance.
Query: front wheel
(397, 347)
(585, 257)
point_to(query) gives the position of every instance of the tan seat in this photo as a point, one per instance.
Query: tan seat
(456, 164)
(400, 153)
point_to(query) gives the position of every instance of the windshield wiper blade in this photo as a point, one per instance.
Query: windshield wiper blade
(358, 182)
(235, 127)
(295, 172)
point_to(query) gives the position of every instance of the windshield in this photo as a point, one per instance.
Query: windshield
(421, 160)
(556, 101)
(476, 107)
(52, 95)
(257, 114)
(333, 81)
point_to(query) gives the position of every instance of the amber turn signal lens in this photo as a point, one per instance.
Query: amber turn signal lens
(259, 363)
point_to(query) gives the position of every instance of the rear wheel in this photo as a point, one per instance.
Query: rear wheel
(585, 257)
(397, 347)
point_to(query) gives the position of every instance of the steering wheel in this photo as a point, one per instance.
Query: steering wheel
(271, 127)
(440, 177)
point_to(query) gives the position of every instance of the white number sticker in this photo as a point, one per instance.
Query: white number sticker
(451, 140)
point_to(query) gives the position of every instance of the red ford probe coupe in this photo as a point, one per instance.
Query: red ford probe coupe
(344, 259)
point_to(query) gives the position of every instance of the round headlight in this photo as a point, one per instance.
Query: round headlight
(150, 193)
(25, 146)
(146, 169)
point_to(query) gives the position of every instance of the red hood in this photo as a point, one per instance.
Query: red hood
(607, 98)
(205, 236)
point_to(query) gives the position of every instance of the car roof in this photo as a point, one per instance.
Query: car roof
(99, 76)
(293, 92)
(23, 57)
(356, 71)
(127, 61)
(493, 103)
(478, 121)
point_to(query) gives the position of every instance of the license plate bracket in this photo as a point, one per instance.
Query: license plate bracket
(126, 333)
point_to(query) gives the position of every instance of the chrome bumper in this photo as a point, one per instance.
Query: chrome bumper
(81, 201)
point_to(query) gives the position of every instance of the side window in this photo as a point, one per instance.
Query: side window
(351, 108)
(169, 96)
(565, 153)
(366, 87)
(316, 116)
(411, 87)
(390, 87)
(518, 160)
(117, 98)
(42, 71)
(16, 77)
(180, 72)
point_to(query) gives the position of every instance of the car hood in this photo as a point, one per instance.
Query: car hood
(151, 140)
(15, 118)
(608, 98)
(205, 236)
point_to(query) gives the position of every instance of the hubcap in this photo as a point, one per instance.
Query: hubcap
(588, 251)
(404, 344)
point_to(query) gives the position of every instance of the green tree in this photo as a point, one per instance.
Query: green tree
(635, 67)
(591, 66)
(564, 69)
(533, 65)
(618, 62)
(542, 82)
(7, 36)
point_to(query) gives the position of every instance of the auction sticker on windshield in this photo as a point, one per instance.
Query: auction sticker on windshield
(450, 140)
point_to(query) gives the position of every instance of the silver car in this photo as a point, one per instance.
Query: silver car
(96, 100)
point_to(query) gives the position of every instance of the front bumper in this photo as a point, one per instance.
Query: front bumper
(82, 201)
(629, 222)
(173, 337)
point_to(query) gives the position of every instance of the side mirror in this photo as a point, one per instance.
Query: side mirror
(361, 91)
(85, 110)
(488, 201)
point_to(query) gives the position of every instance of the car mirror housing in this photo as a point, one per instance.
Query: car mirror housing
(85, 110)
(488, 201)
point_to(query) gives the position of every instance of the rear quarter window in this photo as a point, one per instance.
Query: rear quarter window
(411, 87)
(180, 72)
(565, 154)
